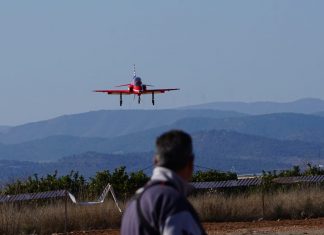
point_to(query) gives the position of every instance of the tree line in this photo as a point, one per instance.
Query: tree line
(125, 184)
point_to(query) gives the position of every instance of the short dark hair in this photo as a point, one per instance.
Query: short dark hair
(174, 150)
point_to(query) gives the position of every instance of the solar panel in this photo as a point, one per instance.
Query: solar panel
(248, 182)
(32, 196)
(300, 179)
(58, 194)
(228, 184)
(257, 181)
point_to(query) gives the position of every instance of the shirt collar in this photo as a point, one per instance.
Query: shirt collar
(165, 174)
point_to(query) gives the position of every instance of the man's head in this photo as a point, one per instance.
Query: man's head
(174, 151)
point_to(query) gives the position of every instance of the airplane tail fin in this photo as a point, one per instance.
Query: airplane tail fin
(134, 71)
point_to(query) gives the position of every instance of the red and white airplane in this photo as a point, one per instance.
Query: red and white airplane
(136, 87)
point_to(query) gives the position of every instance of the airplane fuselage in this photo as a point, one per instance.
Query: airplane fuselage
(137, 86)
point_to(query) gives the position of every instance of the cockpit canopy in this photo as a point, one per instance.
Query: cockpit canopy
(137, 81)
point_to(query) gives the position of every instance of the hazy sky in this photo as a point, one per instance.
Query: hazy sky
(54, 53)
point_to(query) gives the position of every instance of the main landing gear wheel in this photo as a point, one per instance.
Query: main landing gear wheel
(120, 100)
(139, 99)
(153, 98)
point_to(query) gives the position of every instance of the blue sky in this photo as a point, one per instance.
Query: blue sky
(54, 53)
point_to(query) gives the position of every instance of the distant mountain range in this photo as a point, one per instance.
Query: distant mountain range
(222, 149)
(112, 123)
(223, 139)
(213, 149)
(306, 106)
(4, 129)
(319, 114)
(285, 126)
(109, 123)
(87, 164)
(305, 128)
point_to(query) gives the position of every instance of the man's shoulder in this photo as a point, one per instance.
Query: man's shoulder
(165, 198)
(162, 189)
(164, 207)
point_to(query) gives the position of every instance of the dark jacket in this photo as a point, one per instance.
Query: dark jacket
(162, 209)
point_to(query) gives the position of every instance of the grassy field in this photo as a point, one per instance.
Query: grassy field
(47, 218)
(288, 204)
(50, 218)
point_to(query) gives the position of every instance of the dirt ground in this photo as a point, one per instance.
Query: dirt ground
(282, 227)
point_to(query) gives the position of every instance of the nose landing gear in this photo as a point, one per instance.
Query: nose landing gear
(139, 99)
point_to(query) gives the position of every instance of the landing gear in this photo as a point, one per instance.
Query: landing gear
(120, 99)
(139, 99)
(153, 98)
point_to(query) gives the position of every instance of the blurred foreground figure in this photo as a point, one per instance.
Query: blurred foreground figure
(161, 206)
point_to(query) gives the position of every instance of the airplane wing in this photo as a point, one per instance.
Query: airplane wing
(159, 91)
(115, 92)
(123, 85)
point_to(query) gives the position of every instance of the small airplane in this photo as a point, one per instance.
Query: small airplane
(136, 87)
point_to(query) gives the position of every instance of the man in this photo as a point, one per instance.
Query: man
(161, 206)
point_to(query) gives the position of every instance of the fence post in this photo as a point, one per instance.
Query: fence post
(66, 215)
(263, 206)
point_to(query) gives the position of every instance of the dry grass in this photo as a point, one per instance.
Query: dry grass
(291, 204)
(296, 204)
(219, 207)
(49, 218)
